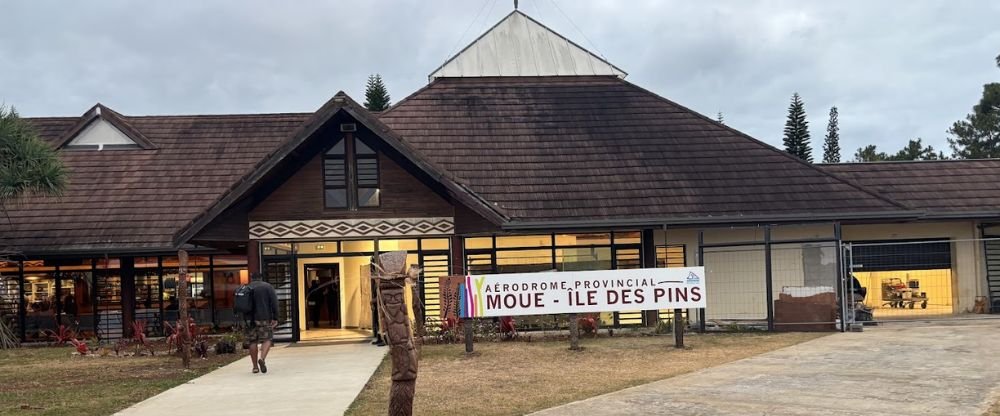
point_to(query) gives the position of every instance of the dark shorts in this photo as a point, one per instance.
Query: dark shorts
(259, 331)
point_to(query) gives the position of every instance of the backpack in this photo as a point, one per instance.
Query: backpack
(243, 300)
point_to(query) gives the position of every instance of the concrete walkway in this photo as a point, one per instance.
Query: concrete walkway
(950, 368)
(303, 380)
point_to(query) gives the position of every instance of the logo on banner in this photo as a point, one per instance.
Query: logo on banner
(471, 296)
(693, 279)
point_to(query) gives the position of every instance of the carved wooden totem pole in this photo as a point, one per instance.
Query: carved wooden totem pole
(392, 277)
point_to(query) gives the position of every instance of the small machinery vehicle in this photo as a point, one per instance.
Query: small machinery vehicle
(899, 294)
(857, 310)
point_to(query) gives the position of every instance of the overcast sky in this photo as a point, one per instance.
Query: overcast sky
(896, 69)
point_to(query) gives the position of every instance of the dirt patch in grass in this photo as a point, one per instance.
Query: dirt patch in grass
(53, 381)
(513, 378)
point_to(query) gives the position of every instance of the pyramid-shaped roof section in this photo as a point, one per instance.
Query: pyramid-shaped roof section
(520, 46)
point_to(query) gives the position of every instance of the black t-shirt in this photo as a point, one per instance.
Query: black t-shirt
(265, 301)
(316, 295)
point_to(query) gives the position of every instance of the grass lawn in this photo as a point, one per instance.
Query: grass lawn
(52, 381)
(513, 378)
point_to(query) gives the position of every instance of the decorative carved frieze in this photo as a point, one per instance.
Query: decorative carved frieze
(368, 227)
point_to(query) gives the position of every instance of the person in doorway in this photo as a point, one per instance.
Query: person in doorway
(333, 303)
(378, 340)
(315, 301)
(69, 306)
(261, 322)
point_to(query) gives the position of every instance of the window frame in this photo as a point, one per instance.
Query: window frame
(373, 157)
(346, 182)
(352, 186)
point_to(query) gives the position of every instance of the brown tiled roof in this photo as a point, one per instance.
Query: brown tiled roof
(517, 151)
(139, 199)
(600, 148)
(339, 104)
(940, 187)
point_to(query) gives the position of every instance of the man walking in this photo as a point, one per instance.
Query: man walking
(261, 322)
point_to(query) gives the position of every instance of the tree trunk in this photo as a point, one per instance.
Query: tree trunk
(574, 332)
(183, 329)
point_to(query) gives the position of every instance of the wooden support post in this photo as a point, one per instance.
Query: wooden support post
(419, 329)
(128, 294)
(678, 329)
(574, 332)
(184, 333)
(467, 327)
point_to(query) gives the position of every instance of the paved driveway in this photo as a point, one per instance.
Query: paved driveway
(950, 368)
(301, 380)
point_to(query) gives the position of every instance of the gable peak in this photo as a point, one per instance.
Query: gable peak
(519, 46)
(101, 127)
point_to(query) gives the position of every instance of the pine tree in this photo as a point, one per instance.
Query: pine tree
(831, 143)
(978, 136)
(376, 95)
(915, 150)
(869, 154)
(797, 130)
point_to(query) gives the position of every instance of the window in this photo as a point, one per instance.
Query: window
(351, 175)
(101, 135)
(335, 176)
(366, 161)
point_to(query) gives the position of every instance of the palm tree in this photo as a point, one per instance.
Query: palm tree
(28, 166)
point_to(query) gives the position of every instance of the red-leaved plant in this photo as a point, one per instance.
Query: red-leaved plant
(508, 327)
(81, 346)
(173, 336)
(588, 324)
(139, 337)
(198, 340)
(61, 336)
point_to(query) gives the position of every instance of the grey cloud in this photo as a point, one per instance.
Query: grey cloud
(896, 69)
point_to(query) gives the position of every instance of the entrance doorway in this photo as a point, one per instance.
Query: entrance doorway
(323, 296)
(333, 305)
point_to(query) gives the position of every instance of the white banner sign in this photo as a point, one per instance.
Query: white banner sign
(577, 292)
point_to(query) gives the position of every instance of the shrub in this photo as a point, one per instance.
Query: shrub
(81, 346)
(61, 336)
(588, 324)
